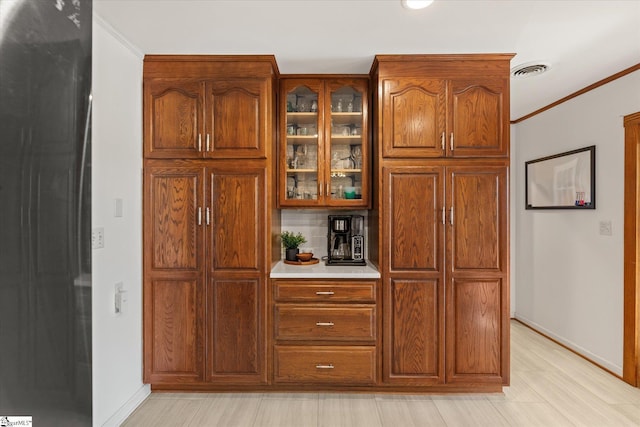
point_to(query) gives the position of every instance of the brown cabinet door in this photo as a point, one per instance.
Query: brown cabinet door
(477, 299)
(476, 331)
(173, 330)
(236, 331)
(237, 118)
(301, 164)
(173, 210)
(236, 220)
(324, 143)
(173, 253)
(172, 119)
(479, 114)
(413, 117)
(413, 233)
(346, 148)
(414, 331)
(413, 345)
(477, 203)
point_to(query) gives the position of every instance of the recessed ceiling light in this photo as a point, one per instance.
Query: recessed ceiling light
(416, 4)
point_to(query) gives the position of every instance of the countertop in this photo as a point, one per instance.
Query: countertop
(322, 271)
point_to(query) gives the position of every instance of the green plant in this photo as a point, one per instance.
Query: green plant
(291, 240)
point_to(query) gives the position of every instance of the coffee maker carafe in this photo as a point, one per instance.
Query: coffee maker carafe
(345, 240)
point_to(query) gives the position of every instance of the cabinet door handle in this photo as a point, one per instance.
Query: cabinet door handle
(208, 216)
(324, 293)
(200, 142)
(208, 143)
(451, 216)
(442, 138)
(324, 323)
(451, 141)
(328, 188)
(199, 216)
(329, 366)
(320, 189)
(443, 216)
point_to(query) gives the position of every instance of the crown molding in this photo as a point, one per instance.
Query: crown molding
(580, 92)
(97, 19)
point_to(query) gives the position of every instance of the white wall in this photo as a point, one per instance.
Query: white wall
(116, 173)
(569, 278)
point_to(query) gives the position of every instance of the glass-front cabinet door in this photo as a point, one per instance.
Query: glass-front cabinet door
(347, 151)
(324, 150)
(302, 136)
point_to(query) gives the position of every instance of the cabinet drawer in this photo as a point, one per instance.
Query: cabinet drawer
(348, 323)
(325, 291)
(353, 364)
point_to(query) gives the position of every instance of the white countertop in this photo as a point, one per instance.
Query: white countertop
(322, 271)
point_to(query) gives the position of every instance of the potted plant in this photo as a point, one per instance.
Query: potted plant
(291, 241)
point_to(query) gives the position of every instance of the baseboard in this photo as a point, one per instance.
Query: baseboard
(571, 346)
(130, 405)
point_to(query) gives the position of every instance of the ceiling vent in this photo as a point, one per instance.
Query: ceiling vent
(529, 69)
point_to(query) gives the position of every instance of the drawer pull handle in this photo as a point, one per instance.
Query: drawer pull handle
(329, 366)
(324, 323)
(324, 293)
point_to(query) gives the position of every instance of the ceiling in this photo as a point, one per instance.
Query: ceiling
(583, 41)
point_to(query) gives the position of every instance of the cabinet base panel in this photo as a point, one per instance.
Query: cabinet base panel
(324, 388)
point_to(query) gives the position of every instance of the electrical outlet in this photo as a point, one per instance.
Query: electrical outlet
(97, 238)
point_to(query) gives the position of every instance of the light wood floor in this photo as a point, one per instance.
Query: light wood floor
(550, 386)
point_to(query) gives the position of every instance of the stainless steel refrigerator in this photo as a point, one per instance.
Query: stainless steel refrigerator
(45, 195)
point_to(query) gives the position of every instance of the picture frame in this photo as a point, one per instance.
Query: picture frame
(562, 181)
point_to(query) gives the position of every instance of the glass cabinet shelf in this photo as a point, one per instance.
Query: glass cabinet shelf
(349, 139)
(302, 139)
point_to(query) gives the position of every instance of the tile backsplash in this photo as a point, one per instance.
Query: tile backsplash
(314, 225)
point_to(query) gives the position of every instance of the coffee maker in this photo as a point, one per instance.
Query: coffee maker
(345, 240)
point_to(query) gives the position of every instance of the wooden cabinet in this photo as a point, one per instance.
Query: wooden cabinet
(438, 229)
(325, 332)
(204, 224)
(207, 108)
(205, 119)
(459, 257)
(324, 150)
(443, 117)
(442, 168)
(209, 124)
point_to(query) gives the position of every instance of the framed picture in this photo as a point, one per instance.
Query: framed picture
(562, 181)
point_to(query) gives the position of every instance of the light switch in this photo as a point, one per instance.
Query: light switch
(119, 298)
(117, 212)
(605, 228)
